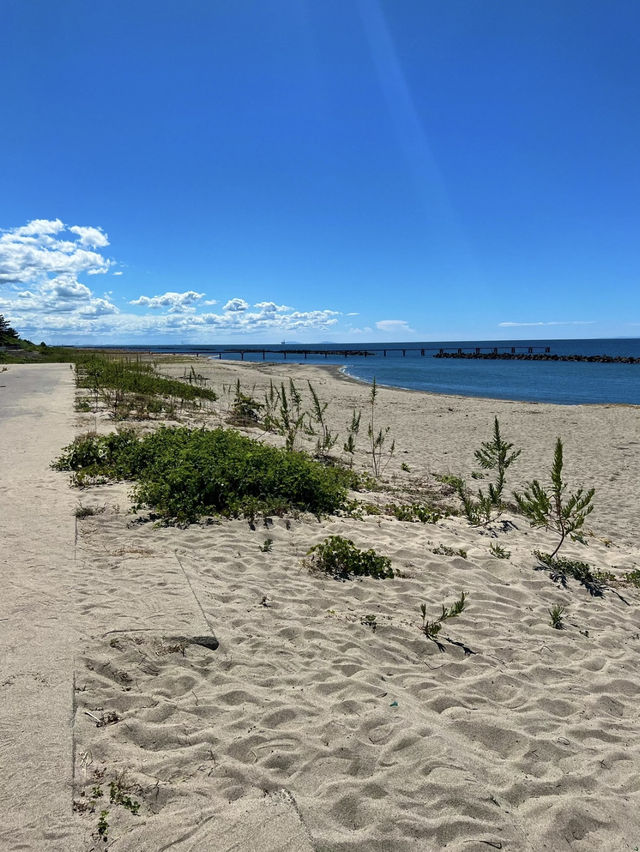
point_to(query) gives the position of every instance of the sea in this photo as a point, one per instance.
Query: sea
(565, 383)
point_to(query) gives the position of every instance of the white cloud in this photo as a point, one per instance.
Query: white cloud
(39, 227)
(236, 305)
(271, 307)
(42, 294)
(39, 267)
(394, 326)
(175, 302)
(30, 254)
(116, 273)
(91, 237)
(553, 322)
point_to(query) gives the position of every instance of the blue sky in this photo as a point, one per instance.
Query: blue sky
(345, 170)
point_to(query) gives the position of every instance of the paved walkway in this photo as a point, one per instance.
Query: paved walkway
(37, 638)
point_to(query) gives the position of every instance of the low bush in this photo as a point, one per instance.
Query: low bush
(414, 512)
(444, 550)
(184, 473)
(632, 577)
(561, 568)
(341, 558)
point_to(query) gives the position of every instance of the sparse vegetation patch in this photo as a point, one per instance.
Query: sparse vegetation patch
(340, 558)
(183, 474)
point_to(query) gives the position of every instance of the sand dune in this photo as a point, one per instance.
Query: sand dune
(325, 719)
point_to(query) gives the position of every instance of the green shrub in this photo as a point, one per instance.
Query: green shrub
(633, 577)
(445, 550)
(561, 568)
(341, 558)
(414, 512)
(184, 473)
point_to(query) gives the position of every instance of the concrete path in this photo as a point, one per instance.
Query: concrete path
(37, 638)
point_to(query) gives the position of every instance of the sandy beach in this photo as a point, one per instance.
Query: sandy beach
(325, 720)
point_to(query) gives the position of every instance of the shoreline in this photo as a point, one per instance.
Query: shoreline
(337, 372)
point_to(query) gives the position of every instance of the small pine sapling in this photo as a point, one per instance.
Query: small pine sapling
(553, 509)
(496, 455)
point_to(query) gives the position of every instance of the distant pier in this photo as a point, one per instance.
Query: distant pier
(494, 355)
(439, 352)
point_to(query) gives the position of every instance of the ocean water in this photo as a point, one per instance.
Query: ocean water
(560, 382)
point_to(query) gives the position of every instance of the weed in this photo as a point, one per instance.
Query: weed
(266, 547)
(109, 718)
(371, 509)
(448, 479)
(550, 509)
(378, 437)
(326, 438)
(369, 621)
(290, 418)
(499, 552)
(557, 612)
(118, 795)
(123, 375)
(245, 410)
(443, 550)
(103, 826)
(340, 558)
(353, 428)
(560, 569)
(87, 511)
(271, 401)
(633, 577)
(404, 466)
(432, 628)
(414, 512)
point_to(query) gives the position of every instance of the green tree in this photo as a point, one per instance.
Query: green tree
(7, 334)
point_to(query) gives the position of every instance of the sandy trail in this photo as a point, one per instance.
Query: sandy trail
(36, 627)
